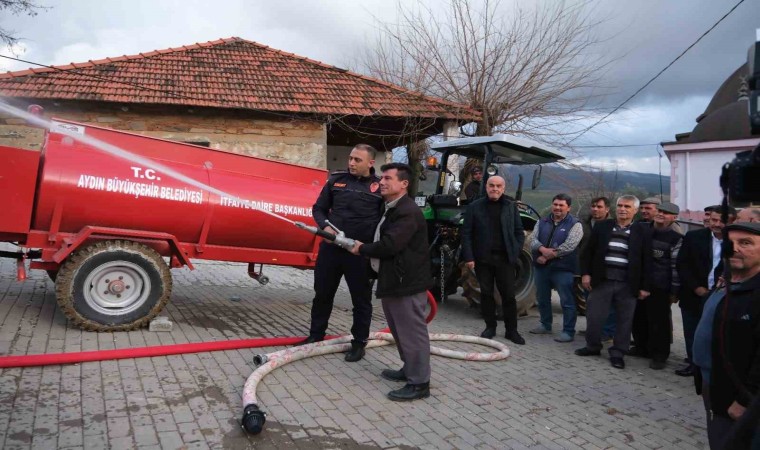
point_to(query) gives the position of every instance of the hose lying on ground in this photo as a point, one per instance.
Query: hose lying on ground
(253, 418)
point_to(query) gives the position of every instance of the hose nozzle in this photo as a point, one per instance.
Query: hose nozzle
(339, 239)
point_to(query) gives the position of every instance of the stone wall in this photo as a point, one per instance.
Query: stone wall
(283, 139)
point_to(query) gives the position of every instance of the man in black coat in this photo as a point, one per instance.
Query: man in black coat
(492, 239)
(699, 268)
(615, 268)
(350, 200)
(727, 342)
(399, 255)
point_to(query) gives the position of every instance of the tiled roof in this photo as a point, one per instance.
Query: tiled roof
(228, 73)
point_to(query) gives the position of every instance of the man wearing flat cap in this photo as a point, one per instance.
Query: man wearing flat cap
(648, 208)
(708, 210)
(727, 340)
(652, 321)
(473, 189)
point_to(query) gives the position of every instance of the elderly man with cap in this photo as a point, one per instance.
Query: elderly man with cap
(652, 321)
(473, 189)
(750, 214)
(648, 208)
(727, 344)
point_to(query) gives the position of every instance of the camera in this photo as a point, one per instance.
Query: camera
(741, 177)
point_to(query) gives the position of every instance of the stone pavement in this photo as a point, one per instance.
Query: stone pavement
(541, 397)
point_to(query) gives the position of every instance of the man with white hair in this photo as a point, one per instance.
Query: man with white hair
(615, 268)
(492, 239)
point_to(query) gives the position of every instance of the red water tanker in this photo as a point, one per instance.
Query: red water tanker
(101, 225)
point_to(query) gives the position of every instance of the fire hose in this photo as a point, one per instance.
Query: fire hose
(254, 418)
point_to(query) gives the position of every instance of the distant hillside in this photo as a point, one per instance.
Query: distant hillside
(559, 179)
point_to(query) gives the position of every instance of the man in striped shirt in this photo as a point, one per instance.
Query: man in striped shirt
(615, 268)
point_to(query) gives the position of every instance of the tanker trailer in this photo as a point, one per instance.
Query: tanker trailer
(107, 229)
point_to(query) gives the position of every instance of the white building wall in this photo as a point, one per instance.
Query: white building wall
(695, 173)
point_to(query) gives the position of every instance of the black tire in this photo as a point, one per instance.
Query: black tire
(90, 284)
(525, 286)
(580, 297)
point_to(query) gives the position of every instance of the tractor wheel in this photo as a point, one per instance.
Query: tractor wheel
(525, 287)
(113, 286)
(580, 297)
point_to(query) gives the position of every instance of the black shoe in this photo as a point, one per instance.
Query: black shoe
(617, 362)
(357, 351)
(687, 371)
(488, 333)
(515, 337)
(309, 340)
(657, 365)
(410, 392)
(393, 375)
(638, 351)
(585, 351)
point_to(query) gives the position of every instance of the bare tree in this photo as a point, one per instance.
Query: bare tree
(532, 73)
(16, 7)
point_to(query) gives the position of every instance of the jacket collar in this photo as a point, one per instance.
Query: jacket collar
(750, 284)
(371, 176)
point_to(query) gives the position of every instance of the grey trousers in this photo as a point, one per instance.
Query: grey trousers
(406, 319)
(610, 294)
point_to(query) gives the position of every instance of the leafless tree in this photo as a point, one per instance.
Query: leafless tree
(531, 73)
(16, 7)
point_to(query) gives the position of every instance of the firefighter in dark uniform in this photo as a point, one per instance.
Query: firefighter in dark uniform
(352, 202)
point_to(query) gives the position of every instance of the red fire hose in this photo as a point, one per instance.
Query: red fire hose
(163, 350)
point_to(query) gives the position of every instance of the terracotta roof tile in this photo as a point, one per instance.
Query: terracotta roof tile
(228, 73)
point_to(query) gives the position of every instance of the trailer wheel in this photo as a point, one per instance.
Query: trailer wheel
(113, 286)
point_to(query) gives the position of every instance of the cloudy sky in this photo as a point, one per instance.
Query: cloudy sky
(643, 36)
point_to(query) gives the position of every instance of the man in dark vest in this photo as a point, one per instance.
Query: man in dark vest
(492, 239)
(554, 244)
(652, 329)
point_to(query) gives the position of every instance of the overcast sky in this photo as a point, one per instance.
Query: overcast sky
(644, 36)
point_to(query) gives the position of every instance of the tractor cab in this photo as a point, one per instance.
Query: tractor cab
(441, 188)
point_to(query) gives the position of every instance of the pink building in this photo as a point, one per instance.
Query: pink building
(696, 158)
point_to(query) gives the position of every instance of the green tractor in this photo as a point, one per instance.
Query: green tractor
(443, 209)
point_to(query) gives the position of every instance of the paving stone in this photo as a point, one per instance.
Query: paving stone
(543, 396)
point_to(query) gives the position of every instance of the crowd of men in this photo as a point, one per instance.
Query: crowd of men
(629, 269)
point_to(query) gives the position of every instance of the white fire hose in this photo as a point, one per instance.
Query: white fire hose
(254, 418)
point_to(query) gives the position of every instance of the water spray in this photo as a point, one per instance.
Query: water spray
(128, 156)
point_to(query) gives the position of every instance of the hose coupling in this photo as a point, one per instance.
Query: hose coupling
(260, 359)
